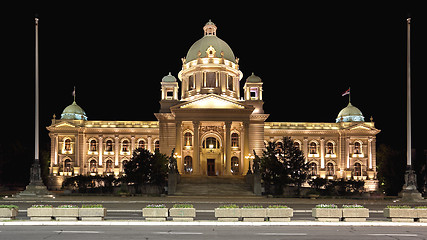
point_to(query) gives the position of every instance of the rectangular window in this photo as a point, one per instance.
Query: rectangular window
(190, 82)
(210, 80)
(230, 83)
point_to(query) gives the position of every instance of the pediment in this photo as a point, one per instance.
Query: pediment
(65, 124)
(211, 102)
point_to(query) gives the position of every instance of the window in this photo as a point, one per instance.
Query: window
(330, 169)
(157, 145)
(141, 144)
(109, 166)
(296, 145)
(234, 165)
(125, 146)
(93, 145)
(211, 143)
(169, 94)
(191, 82)
(67, 145)
(210, 80)
(313, 148)
(234, 140)
(188, 164)
(329, 148)
(357, 169)
(254, 93)
(188, 139)
(357, 148)
(109, 146)
(312, 169)
(67, 165)
(92, 166)
(230, 83)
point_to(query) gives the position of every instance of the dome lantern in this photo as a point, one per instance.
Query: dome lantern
(210, 28)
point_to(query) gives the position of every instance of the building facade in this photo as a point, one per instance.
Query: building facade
(213, 127)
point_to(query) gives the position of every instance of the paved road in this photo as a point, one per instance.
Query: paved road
(210, 232)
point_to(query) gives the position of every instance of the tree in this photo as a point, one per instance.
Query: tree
(391, 167)
(146, 168)
(283, 164)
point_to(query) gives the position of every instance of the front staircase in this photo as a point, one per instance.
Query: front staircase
(213, 186)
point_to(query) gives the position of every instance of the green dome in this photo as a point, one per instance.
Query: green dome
(210, 39)
(350, 114)
(253, 79)
(169, 78)
(74, 112)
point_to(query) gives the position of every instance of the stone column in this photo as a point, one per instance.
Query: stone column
(196, 148)
(178, 146)
(246, 149)
(132, 144)
(370, 153)
(322, 153)
(228, 148)
(55, 145)
(100, 149)
(149, 143)
(116, 151)
(305, 148)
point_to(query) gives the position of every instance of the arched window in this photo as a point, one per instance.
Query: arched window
(296, 145)
(125, 146)
(357, 169)
(141, 144)
(109, 166)
(92, 166)
(157, 145)
(313, 148)
(329, 148)
(312, 169)
(188, 139)
(234, 165)
(188, 164)
(67, 165)
(330, 169)
(67, 144)
(357, 149)
(109, 146)
(211, 143)
(234, 140)
(92, 146)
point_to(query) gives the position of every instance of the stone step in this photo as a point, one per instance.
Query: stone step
(213, 185)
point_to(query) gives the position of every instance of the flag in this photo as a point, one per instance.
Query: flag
(346, 92)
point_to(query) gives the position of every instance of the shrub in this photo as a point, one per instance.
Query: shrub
(41, 206)
(252, 206)
(155, 206)
(326, 206)
(183, 205)
(277, 206)
(421, 207)
(9, 206)
(229, 206)
(398, 206)
(67, 206)
(92, 206)
(353, 206)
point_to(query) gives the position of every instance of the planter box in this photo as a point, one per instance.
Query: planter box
(40, 214)
(66, 214)
(228, 214)
(355, 214)
(155, 214)
(254, 214)
(400, 214)
(182, 214)
(92, 214)
(327, 214)
(8, 214)
(280, 214)
(421, 214)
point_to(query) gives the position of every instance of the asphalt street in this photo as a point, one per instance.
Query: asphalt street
(210, 232)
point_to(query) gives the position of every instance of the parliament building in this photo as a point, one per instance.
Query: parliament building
(213, 126)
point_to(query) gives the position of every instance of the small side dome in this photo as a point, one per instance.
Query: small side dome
(169, 78)
(350, 114)
(253, 79)
(73, 112)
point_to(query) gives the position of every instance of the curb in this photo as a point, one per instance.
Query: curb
(208, 223)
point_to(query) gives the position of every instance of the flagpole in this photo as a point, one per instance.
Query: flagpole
(349, 95)
(36, 149)
(408, 98)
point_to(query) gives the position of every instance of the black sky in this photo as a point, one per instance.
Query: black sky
(306, 55)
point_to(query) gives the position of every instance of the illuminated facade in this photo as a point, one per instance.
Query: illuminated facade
(213, 127)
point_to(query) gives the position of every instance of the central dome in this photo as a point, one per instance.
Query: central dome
(350, 114)
(210, 39)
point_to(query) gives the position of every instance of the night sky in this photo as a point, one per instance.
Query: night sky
(307, 56)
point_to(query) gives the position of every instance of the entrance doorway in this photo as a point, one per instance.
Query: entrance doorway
(211, 167)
